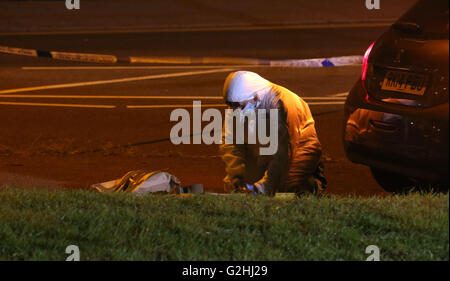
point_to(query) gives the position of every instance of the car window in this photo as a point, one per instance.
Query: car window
(426, 19)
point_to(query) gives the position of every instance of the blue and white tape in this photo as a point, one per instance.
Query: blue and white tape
(101, 58)
(320, 62)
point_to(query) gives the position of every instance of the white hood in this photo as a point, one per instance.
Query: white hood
(244, 85)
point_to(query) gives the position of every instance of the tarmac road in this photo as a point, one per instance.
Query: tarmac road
(99, 133)
(295, 43)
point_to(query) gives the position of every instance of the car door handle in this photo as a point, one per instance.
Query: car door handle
(383, 126)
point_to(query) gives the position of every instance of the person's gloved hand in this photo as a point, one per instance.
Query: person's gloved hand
(264, 188)
(259, 187)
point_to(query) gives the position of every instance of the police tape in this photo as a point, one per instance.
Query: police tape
(320, 62)
(18, 51)
(112, 59)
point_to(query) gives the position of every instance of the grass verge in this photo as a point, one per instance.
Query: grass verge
(40, 224)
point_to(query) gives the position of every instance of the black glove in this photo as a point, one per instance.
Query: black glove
(237, 183)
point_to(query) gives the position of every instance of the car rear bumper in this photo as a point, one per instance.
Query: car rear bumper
(397, 138)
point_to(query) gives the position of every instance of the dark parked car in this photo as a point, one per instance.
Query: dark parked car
(396, 115)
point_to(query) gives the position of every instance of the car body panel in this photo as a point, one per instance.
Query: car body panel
(398, 138)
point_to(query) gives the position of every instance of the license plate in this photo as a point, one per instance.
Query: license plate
(404, 82)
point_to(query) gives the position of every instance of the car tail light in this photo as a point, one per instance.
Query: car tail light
(365, 63)
(365, 66)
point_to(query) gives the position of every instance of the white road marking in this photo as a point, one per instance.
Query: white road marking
(210, 105)
(112, 97)
(323, 98)
(139, 106)
(58, 105)
(142, 97)
(173, 106)
(121, 80)
(340, 94)
(327, 103)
